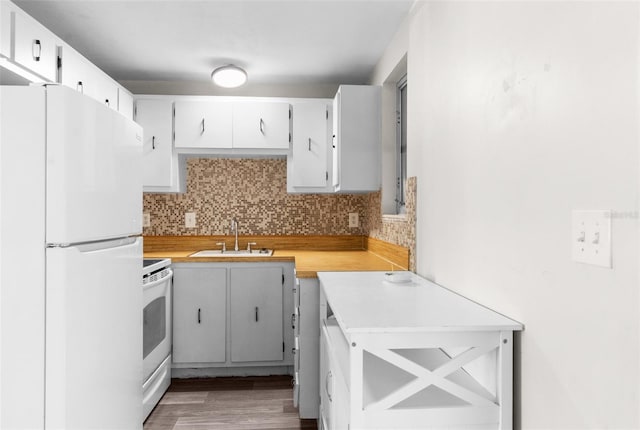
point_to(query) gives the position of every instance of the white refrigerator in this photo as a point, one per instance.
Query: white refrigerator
(70, 262)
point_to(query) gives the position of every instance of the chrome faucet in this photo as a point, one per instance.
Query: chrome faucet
(234, 228)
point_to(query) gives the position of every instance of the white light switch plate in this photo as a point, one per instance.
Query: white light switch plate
(146, 220)
(353, 219)
(591, 237)
(190, 220)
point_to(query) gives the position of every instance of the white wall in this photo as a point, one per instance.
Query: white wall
(518, 113)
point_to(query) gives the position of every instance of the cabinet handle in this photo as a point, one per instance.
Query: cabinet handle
(36, 50)
(293, 320)
(326, 384)
(106, 101)
(198, 315)
(257, 314)
(202, 132)
(261, 126)
(333, 141)
(153, 142)
(80, 87)
(293, 351)
(309, 144)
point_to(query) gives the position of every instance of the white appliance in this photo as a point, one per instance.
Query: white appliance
(70, 259)
(156, 331)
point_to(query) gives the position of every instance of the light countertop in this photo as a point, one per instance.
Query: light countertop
(365, 302)
(308, 263)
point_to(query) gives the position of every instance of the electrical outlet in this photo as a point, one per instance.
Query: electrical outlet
(353, 220)
(146, 220)
(190, 220)
(591, 237)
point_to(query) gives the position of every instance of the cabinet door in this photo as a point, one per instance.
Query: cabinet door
(326, 382)
(35, 47)
(203, 124)
(125, 103)
(99, 86)
(158, 160)
(199, 315)
(73, 70)
(5, 28)
(256, 314)
(356, 159)
(309, 329)
(262, 125)
(310, 145)
(335, 141)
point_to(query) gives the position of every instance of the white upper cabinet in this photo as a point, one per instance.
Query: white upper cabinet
(37, 54)
(203, 124)
(72, 72)
(78, 73)
(308, 168)
(99, 86)
(125, 103)
(261, 125)
(160, 167)
(5, 29)
(356, 138)
(35, 47)
(224, 125)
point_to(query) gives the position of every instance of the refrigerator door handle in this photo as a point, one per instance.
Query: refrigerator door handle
(101, 245)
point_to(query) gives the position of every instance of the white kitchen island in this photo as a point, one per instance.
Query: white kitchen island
(411, 355)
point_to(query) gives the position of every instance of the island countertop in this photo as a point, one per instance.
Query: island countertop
(365, 302)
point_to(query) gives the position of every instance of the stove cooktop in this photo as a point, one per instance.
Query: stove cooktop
(152, 265)
(149, 261)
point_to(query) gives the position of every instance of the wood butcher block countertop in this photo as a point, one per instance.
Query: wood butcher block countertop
(322, 253)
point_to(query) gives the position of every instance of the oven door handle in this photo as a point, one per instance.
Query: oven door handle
(159, 281)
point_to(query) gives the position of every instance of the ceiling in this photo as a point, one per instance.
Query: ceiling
(299, 42)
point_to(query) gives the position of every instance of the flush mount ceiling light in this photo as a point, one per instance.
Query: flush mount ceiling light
(229, 76)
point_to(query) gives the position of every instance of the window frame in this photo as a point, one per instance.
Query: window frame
(401, 142)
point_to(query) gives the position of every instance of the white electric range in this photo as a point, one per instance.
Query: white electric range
(156, 351)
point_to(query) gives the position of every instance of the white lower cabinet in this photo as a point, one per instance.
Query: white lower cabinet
(256, 314)
(334, 392)
(307, 331)
(199, 315)
(412, 356)
(232, 316)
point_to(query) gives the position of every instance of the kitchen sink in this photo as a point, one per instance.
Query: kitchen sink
(240, 253)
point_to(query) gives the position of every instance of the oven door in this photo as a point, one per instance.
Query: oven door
(156, 338)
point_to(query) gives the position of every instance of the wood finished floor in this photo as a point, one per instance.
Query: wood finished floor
(250, 403)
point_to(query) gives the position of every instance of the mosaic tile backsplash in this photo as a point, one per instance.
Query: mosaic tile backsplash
(255, 192)
(398, 230)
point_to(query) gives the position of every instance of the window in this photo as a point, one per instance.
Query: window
(401, 144)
